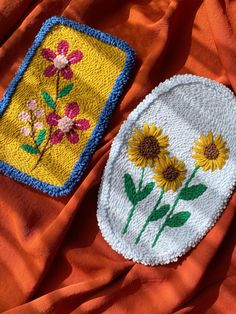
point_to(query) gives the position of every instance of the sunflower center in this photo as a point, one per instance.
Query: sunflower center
(149, 147)
(211, 151)
(171, 173)
(60, 62)
(65, 124)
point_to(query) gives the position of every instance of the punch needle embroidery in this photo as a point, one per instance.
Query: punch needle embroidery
(61, 61)
(67, 125)
(59, 104)
(43, 140)
(210, 153)
(33, 128)
(169, 173)
(145, 147)
(169, 176)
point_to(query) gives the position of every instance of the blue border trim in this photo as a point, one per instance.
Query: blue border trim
(102, 120)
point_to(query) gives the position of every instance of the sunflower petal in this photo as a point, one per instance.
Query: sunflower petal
(152, 129)
(146, 129)
(218, 139)
(210, 137)
(203, 139)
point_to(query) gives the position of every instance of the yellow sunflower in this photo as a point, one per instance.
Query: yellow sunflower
(169, 173)
(210, 153)
(147, 145)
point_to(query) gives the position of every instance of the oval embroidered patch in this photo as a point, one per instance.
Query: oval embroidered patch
(170, 172)
(59, 104)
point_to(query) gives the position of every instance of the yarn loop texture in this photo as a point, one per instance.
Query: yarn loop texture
(59, 104)
(171, 171)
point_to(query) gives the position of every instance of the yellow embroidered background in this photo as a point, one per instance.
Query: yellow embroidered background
(93, 79)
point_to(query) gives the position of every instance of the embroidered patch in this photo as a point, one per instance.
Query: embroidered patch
(56, 108)
(170, 172)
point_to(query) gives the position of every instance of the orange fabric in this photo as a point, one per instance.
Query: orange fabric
(53, 258)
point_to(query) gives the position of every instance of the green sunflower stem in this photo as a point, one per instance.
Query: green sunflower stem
(129, 218)
(191, 177)
(174, 206)
(148, 219)
(142, 231)
(141, 180)
(131, 212)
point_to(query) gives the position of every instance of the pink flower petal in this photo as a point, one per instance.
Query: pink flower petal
(25, 131)
(48, 54)
(63, 47)
(31, 104)
(50, 71)
(52, 119)
(73, 137)
(24, 116)
(56, 137)
(72, 110)
(75, 56)
(38, 125)
(67, 73)
(82, 124)
(38, 113)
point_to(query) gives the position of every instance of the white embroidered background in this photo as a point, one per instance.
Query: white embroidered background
(184, 107)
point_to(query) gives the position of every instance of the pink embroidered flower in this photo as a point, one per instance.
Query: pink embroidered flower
(32, 104)
(25, 131)
(67, 125)
(24, 116)
(38, 113)
(38, 125)
(61, 61)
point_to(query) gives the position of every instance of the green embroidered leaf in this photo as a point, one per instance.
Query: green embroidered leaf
(41, 137)
(65, 90)
(130, 188)
(29, 149)
(178, 219)
(159, 213)
(192, 192)
(145, 191)
(48, 99)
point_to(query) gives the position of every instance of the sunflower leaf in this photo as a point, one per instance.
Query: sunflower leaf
(41, 137)
(192, 192)
(145, 191)
(65, 90)
(48, 99)
(130, 188)
(159, 213)
(29, 149)
(178, 219)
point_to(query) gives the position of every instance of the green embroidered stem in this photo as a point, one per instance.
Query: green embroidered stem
(131, 212)
(129, 218)
(174, 205)
(32, 120)
(45, 148)
(141, 180)
(191, 177)
(148, 219)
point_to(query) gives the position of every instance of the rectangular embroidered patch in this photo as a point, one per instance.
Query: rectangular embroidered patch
(56, 108)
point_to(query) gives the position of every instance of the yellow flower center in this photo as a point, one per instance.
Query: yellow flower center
(149, 147)
(211, 151)
(171, 173)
